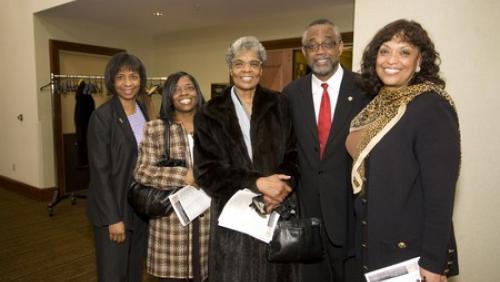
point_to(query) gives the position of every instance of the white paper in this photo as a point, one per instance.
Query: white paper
(239, 216)
(188, 203)
(406, 271)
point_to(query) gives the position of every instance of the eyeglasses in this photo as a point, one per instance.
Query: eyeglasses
(314, 47)
(238, 64)
(179, 90)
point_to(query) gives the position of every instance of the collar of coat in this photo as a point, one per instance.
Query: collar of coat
(222, 109)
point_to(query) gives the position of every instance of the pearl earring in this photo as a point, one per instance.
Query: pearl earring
(418, 69)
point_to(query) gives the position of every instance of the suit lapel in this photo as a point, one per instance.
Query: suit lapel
(306, 100)
(342, 111)
(122, 121)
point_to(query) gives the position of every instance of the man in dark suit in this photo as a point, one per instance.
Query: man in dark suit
(322, 105)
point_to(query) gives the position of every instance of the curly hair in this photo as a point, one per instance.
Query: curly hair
(245, 43)
(408, 31)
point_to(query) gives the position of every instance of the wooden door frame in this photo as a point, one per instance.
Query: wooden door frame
(296, 42)
(55, 46)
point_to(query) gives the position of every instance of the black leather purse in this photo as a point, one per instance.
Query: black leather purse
(151, 201)
(295, 238)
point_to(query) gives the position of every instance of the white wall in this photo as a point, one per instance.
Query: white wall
(201, 52)
(20, 145)
(466, 34)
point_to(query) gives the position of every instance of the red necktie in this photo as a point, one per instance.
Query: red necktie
(324, 119)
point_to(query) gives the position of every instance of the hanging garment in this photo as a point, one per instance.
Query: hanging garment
(84, 107)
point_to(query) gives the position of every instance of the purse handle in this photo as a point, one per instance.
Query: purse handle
(166, 136)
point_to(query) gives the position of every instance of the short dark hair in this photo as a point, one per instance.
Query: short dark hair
(167, 110)
(413, 33)
(335, 28)
(124, 60)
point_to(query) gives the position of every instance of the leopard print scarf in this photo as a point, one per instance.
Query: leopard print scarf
(379, 116)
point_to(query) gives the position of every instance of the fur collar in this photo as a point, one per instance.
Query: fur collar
(222, 109)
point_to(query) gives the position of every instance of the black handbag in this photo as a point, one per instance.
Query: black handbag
(151, 201)
(295, 239)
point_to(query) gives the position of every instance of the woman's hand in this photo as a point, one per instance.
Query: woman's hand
(428, 276)
(189, 178)
(117, 232)
(274, 188)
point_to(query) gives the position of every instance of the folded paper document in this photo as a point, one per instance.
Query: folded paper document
(239, 216)
(406, 271)
(188, 203)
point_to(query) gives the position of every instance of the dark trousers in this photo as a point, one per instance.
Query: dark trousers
(120, 262)
(176, 280)
(354, 270)
(329, 269)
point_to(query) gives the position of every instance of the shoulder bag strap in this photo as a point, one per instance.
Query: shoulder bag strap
(166, 134)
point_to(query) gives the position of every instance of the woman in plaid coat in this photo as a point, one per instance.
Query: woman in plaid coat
(175, 252)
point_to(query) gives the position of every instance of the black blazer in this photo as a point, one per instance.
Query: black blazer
(412, 173)
(324, 185)
(112, 156)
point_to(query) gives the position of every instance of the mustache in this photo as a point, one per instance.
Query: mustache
(323, 58)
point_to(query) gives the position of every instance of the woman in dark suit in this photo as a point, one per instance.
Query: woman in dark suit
(406, 150)
(114, 133)
(244, 139)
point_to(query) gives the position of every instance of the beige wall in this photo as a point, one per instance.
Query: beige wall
(21, 148)
(466, 34)
(201, 52)
(46, 28)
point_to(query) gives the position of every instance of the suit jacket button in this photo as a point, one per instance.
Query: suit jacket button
(363, 200)
(402, 245)
(365, 267)
(363, 222)
(363, 245)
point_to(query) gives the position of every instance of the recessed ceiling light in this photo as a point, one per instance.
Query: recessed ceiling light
(158, 13)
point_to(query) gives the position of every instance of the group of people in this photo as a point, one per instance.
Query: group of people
(375, 156)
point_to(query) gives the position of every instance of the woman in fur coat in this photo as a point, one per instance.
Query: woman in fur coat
(244, 139)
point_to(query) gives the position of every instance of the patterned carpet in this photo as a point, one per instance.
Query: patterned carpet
(36, 247)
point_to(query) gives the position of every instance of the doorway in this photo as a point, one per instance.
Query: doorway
(72, 174)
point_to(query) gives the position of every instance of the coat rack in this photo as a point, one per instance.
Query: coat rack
(66, 84)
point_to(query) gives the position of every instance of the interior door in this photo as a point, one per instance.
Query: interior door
(76, 170)
(278, 69)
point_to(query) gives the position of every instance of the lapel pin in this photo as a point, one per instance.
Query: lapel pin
(349, 98)
(120, 120)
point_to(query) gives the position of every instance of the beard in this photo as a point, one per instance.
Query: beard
(326, 69)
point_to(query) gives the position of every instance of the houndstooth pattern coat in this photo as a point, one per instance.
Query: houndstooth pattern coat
(169, 243)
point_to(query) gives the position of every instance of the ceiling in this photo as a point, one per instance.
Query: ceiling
(178, 15)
